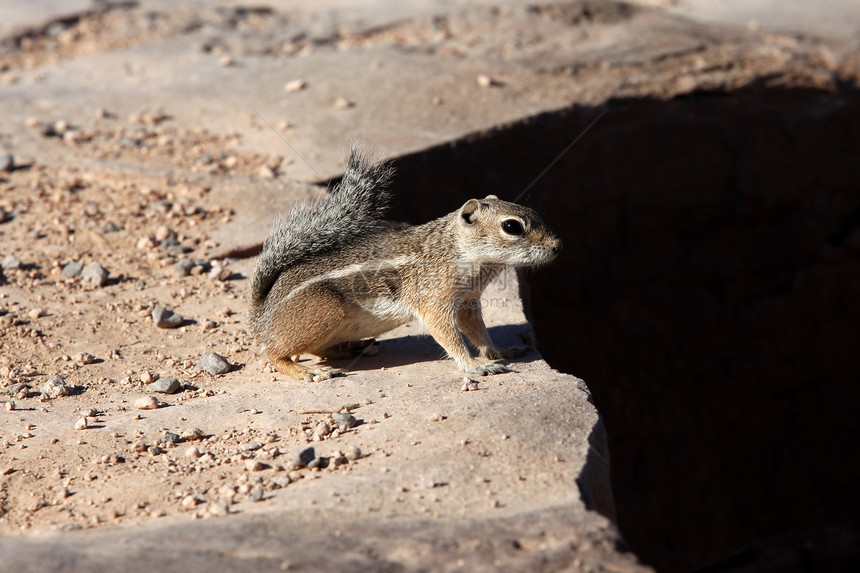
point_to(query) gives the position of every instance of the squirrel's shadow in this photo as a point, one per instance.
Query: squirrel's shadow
(416, 348)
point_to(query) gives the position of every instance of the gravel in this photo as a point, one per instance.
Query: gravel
(166, 385)
(14, 389)
(164, 318)
(214, 364)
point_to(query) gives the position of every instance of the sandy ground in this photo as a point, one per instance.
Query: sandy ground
(124, 145)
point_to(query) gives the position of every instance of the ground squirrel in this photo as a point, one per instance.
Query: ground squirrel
(332, 274)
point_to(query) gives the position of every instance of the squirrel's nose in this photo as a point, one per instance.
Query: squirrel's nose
(556, 247)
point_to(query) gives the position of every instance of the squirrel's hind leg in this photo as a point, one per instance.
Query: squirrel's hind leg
(311, 318)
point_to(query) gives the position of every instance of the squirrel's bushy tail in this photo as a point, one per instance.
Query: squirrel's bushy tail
(353, 207)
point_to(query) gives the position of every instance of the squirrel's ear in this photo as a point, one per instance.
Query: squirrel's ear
(469, 211)
(491, 197)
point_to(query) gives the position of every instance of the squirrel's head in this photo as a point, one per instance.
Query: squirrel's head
(498, 232)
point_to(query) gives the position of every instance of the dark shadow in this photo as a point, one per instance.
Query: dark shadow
(707, 292)
(413, 349)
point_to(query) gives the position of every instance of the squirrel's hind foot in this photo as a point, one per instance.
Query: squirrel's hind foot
(315, 373)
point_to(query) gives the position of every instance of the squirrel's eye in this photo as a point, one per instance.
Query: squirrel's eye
(512, 227)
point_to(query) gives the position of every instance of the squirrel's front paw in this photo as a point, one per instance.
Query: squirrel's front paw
(486, 369)
(497, 353)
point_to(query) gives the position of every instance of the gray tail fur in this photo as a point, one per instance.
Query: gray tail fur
(355, 206)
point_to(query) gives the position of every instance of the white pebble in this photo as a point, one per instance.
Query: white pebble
(146, 403)
(295, 86)
(254, 465)
(81, 424)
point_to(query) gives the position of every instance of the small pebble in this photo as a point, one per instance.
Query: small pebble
(281, 481)
(343, 103)
(10, 405)
(214, 364)
(146, 403)
(178, 250)
(219, 273)
(469, 385)
(295, 86)
(146, 243)
(84, 358)
(189, 501)
(166, 385)
(218, 509)
(164, 318)
(73, 269)
(254, 465)
(343, 421)
(226, 62)
(304, 457)
(55, 386)
(485, 81)
(353, 453)
(193, 452)
(257, 495)
(164, 232)
(183, 268)
(95, 274)
(192, 435)
(266, 172)
(322, 429)
(81, 424)
(171, 439)
(148, 377)
(11, 262)
(7, 163)
(36, 313)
